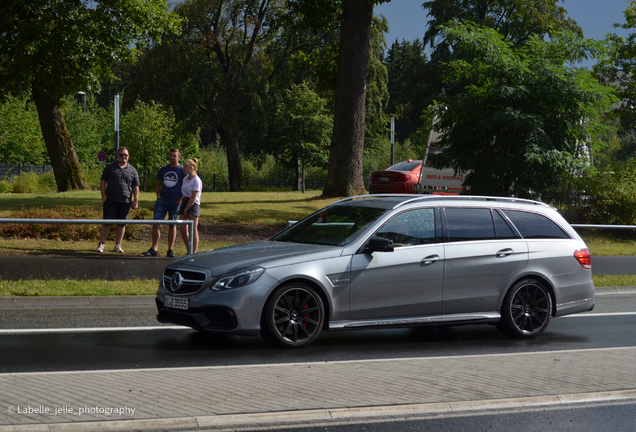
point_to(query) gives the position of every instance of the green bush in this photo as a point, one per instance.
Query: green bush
(5, 187)
(29, 182)
(92, 175)
(212, 169)
(602, 198)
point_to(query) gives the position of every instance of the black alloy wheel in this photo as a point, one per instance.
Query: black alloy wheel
(527, 309)
(293, 316)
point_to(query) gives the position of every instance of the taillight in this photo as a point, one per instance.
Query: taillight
(584, 258)
(403, 177)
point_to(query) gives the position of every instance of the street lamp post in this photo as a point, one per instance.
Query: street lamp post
(81, 93)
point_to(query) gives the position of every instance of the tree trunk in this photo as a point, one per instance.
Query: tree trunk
(347, 142)
(303, 177)
(235, 172)
(66, 167)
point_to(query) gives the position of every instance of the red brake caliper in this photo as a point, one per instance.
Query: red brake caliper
(305, 323)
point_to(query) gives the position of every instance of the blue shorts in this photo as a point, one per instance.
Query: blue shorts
(162, 207)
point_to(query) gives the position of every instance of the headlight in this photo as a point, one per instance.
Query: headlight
(238, 279)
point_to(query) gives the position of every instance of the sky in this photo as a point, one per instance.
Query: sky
(407, 19)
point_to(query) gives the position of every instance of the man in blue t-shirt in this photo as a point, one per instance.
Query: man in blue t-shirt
(168, 190)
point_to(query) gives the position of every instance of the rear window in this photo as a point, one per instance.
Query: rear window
(535, 226)
(403, 166)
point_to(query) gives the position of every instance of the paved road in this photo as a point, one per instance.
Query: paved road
(111, 267)
(126, 335)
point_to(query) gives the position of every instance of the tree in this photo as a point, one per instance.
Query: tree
(407, 65)
(91, 129)
(56, 47)
(217, 72)
(515, 20)
(20, 134)
(520, 122)
(150, 131)
(618, 66)
(344, 177)
(304, 127)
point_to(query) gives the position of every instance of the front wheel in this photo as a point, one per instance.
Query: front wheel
(293, 316)
(527, 309)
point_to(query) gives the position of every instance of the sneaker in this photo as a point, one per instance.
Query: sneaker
(170, 254)
(150, 252)
(118, 249)
(100, 247)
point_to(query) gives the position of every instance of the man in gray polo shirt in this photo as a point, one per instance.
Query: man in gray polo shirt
(119, 186)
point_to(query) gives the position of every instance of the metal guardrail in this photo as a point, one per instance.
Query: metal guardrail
(108, 222)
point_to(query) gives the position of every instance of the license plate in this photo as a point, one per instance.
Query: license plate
(384, 179)
(176, 303)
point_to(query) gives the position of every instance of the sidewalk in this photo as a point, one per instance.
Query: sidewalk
(306, 393)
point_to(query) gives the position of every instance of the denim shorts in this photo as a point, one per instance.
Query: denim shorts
(162, 207)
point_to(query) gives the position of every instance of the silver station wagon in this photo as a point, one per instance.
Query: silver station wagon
(388, 261)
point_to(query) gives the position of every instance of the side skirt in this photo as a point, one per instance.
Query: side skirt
(459, 319)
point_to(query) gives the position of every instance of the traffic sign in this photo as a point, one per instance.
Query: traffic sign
(101, 156)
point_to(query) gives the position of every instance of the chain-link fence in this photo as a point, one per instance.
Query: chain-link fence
(9, 170)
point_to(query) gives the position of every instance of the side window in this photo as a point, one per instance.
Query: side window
(535, 226)
(465, 224)
(501, 227)
(414, 227)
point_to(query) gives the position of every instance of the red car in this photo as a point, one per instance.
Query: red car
(398, 178)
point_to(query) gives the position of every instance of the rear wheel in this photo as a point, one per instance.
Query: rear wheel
(527, 309)
(293, 316)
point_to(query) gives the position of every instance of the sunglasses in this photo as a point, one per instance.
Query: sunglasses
(123, 155)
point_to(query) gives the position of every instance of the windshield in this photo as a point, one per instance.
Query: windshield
(334, 226)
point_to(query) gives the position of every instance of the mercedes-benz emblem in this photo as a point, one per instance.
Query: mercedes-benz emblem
(175, 282)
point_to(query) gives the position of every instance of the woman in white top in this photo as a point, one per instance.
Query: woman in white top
(190, 208)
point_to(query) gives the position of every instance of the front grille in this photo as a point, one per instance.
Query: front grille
(189, 282)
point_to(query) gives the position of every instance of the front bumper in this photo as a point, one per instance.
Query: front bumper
(234, 311)
(211, 318)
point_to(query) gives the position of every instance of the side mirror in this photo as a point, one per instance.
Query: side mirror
(378, 244)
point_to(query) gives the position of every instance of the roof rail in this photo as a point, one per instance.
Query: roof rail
(416, 198)
(371, 196)
(472, 198)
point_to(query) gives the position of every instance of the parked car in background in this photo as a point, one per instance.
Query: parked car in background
(388, 261)
(409, 177)
(398, 178)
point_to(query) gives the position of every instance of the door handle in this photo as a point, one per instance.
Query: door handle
(430, 259)
(505, 253)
